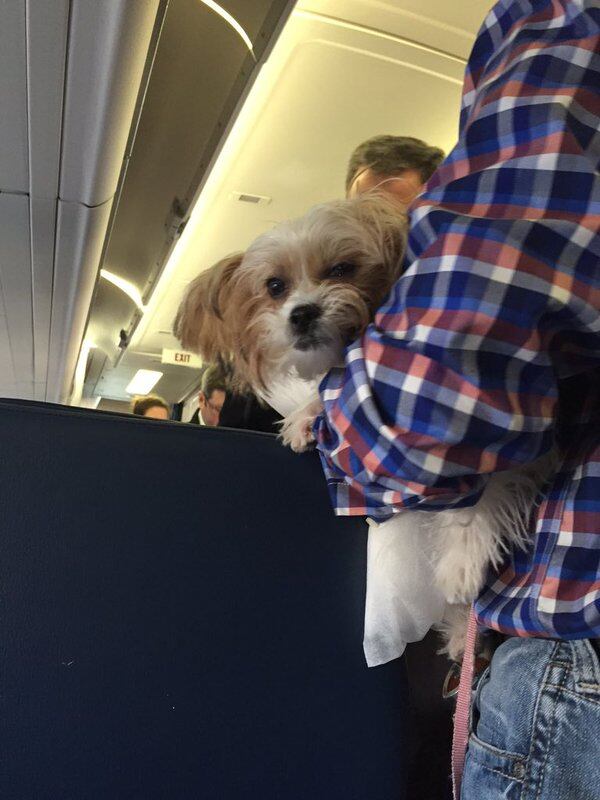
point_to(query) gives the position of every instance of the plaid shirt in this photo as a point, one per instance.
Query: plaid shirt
(488, 349)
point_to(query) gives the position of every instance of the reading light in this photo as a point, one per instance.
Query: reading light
(143, 381)
(230, 21)
(125, 286)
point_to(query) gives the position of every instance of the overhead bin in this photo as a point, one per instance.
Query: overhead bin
(108, 46)
(109, 42)
(15, 297)
(14, 167)
(47, 33)
(55, 156)
(80, 233)
(201, 71)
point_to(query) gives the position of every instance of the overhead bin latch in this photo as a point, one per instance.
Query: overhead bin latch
(177, 220)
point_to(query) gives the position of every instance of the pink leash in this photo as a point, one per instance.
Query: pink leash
(460, 735)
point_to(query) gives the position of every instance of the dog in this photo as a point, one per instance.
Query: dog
(286, 308)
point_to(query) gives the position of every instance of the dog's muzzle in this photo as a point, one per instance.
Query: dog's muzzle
(303, 322)
(303, 318)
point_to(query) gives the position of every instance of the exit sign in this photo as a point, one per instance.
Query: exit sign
(181, 358)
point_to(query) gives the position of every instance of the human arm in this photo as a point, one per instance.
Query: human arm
(459, 375)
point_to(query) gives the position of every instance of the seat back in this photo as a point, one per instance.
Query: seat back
(182, 618)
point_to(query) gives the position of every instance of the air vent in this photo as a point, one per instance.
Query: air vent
(254, 199)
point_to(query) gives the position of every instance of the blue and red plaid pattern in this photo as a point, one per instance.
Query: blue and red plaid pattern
(488, 348)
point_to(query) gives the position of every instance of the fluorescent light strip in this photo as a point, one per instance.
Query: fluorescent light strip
(125, 286)
(390, 37)
(143, 381)
(230, 21)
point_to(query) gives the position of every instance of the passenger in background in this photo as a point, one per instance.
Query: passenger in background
(219, 404)
(211, 397)
(399, 165)
(152, 406)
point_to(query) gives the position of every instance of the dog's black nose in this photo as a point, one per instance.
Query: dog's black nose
(302, 317)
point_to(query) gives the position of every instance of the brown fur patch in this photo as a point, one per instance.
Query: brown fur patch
(228, 313)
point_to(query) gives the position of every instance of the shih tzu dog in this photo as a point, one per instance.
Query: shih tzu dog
(287, 307)
(285, 310)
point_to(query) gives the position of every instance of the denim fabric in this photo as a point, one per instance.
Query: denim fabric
(536, 724)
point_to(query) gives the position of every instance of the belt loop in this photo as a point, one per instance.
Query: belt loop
(586, 662)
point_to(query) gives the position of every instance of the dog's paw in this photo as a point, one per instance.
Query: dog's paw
(298, 435)
(296, 430)
(453, 631)
(454, 646)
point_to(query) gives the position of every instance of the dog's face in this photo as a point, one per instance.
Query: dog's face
(300, 293)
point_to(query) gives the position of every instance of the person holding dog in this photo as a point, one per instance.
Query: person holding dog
(484, 357)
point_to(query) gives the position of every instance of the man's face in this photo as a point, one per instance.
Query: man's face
(402, 187)
(211, 407)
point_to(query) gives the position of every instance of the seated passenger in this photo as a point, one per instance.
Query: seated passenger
(151, 406)
(211, 397)
(219, 404)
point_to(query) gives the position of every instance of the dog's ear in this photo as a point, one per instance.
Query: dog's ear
(387, 221)
(199, 324)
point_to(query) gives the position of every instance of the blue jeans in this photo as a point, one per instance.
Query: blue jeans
(536, 724)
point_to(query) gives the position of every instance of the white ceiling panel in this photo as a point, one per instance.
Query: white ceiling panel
(14, 173)
(43, 229)
(15, 279)
(108, 45)
(46, 302)
(7, 373)
(47, 29)
(11, 390)
(175, 383)
(446, 26)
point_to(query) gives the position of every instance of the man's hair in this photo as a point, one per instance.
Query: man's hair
(387, 155)
(214, 379)
(139, 405)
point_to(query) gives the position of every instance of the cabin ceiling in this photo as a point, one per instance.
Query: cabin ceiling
(111, 110)
(341, 71)
(70, 73)
(131, 127)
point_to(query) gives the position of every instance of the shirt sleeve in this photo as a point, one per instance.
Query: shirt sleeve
(459, 375)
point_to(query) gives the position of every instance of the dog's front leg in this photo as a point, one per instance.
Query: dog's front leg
(296, 429)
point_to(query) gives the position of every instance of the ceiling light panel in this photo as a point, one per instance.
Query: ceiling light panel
(143, 381)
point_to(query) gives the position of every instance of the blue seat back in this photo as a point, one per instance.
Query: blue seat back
(182, 618)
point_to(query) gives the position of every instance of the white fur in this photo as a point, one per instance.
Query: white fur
(371, 234)
(468, 541)
(296, 430)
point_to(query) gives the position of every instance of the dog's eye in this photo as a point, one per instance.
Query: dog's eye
(275, 287)
(341, 270)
